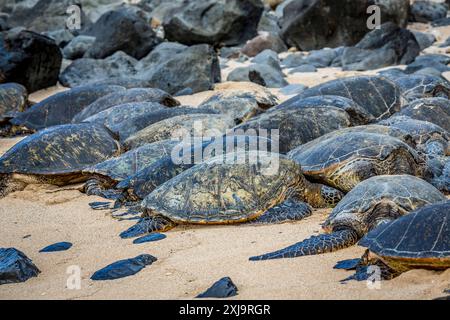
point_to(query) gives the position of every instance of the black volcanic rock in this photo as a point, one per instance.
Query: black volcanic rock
(216, 22)
(15, 266)
(30, 59)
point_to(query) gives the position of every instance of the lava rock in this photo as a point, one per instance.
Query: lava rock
(15, 266)
(425, 11)
(196, 67)
(216, 22)
(47, 15)
(293, 89)
(304, 69)
(264, 41)
(351, 264)
(59, 246)
(315, 24)
(436, 61)
(224, 288)
(123, 268)
(87, 70)
(77, 47)
(124, 29)
(389, 45)
(424, 39)
(150, 238)
(263, 74)
(30, 59)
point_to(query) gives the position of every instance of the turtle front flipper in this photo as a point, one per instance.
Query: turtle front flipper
(290, 210)
(315, 245)
(146, 225)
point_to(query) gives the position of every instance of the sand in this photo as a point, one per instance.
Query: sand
(191, 258)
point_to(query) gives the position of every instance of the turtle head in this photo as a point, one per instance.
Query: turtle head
(384, 211)
(321, 196)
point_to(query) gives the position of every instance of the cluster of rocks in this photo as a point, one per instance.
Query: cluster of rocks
(175, 45)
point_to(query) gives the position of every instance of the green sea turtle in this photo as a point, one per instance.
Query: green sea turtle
(130, 95)
(342, 160)
(186, 155)
(427, 137)
(56, 155)
(231, 188)
(127, 119)
(105, 175)
(239, 108)
(415, 87)
(196, 124)
(297, 126)
(434, 110)
(371, 203)
(377, 95)
(13, 99)
(419, 240)
(60, 108)
(358, 115)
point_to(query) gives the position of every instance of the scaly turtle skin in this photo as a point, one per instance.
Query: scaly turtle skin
(13, 99)
(427, 137)
(434, 110)
(200, 124)
(419, 240)
(127, 119)
(61, 107)
(343, 160)
(379, 96)
(107, 174)
(414, 87)
(297, 126)
(239, 108)
(368, 205)
(220, 191)
(55, 155)
(188, 154)
(130, 95)
(358, 115)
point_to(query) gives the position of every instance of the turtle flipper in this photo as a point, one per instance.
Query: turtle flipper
(290, 210)
(315, 245)
(94, 187)
(147, 225)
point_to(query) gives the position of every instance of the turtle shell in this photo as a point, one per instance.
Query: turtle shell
(330, 159)
(189, 155)
(220, 192)
(61, 107)
(238, 108)
(421, 131)
(358, 115)
(65, 149)
(131, 162)
(360, 209)
(379, 96)
(194, 124)
(414, 87)
(420, 239)
(262, 95)
(296, 126)
(434, 110)
(130, 95)
(13, 99)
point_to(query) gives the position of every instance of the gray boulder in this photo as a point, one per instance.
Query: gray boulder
(425, 11)
(264, 41)
(76, 48)
(216, 22)
(315, 24)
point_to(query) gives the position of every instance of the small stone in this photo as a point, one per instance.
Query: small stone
(224, 288)
(59, 246)
(123, 268)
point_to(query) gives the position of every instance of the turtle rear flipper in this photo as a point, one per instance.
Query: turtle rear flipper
(315, 245)
(147, 225)
(290, 210)
(95, 187)
(9, 185)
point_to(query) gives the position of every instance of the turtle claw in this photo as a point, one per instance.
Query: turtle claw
(315, 245)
